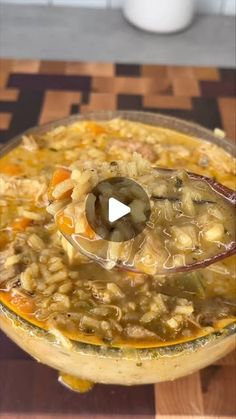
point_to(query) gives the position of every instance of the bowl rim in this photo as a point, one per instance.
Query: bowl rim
(149, 118)
(145, 353)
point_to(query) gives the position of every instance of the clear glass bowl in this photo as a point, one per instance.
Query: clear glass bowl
(110, 365)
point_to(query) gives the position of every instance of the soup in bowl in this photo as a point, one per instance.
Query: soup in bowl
(99, 325)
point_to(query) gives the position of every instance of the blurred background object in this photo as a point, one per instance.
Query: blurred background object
(160, 16)
(202, 6)
(96, 30)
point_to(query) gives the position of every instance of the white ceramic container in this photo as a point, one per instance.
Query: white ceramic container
(165, 16)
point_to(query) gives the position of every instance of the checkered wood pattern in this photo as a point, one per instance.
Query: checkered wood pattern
(33, 92)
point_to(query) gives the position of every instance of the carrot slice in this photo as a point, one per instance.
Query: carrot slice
(11, 169)
(23, 304)
(95, 128)
(59, 176)
(65, 224)
(20, 224)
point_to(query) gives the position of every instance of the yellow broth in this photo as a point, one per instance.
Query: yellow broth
(45, 281)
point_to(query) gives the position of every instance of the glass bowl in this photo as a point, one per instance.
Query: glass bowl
(123, 365)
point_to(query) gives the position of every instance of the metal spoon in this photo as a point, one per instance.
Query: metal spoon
(228, 196)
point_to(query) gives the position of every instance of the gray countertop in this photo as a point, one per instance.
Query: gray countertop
(64, 33)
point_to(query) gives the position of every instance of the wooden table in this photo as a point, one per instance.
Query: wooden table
(33, 92)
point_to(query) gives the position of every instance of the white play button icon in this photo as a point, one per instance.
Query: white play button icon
(116, 210)
(109, 209)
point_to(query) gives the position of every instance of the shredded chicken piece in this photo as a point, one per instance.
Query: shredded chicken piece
(15, 187)
(146, 150)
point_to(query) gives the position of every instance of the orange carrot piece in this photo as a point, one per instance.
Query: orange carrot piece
(59, 176)
(23, 304)
(65, 224)
(96, 128)
(11, 169)
(20, 224)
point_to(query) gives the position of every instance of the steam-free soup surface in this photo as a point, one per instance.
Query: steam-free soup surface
(47, 282)
(177, 220)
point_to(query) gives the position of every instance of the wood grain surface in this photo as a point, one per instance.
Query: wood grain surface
(33, 92)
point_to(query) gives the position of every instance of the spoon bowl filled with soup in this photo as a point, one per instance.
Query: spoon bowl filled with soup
(112, 325)
(174, 221)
